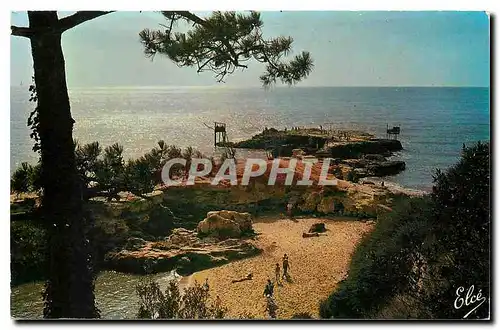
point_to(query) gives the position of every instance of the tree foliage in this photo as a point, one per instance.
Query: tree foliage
(224, 42)
(27, 250)
(220, 43)
(416, 258)
(194, 303)
(107, 173)
(26, 178)
(461, 254)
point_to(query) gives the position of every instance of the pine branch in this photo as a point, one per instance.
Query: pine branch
(21, 31)
(78, 18)
(198, 20)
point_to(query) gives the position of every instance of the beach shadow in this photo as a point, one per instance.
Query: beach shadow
(249, 277)
(288, 278)
(241, 280)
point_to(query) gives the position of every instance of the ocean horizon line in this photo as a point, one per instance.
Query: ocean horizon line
(247, 87)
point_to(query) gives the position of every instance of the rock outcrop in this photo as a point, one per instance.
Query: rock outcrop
(285, 141)
(182, 237)
(225, 224)
(374, 166)
(347, 199)
(385, 168)
(356, 149)
(317, 228)
(182, 250)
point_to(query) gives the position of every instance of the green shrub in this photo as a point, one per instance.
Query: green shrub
(20, 179)
(27, 250)
(106, 173)
(461, 253)
(381, 263)
(26, 178)
(424, 250)
(194, 303)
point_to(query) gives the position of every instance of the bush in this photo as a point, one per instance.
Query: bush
(228, 153)
(461, 253)
(337, 172)
(106, 173)
(27, 249)
(20, 179)
(26, 178)
(381, 263)
(194, 303)
(352, 176)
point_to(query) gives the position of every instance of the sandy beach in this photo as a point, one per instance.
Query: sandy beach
(317, 264)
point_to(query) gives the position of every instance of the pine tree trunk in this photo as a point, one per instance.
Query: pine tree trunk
(69, 290)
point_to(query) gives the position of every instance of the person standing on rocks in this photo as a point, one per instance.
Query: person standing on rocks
(289, 208)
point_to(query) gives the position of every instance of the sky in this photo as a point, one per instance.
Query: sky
(348, 49)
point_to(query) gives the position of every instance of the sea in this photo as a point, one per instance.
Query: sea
(435, 121)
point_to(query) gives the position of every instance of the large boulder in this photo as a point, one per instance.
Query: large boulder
(225, 223)
(244, 219)
(317, 228)
(216, 225)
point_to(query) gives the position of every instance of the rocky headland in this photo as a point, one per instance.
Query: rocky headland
(224, 232)
(360, 151)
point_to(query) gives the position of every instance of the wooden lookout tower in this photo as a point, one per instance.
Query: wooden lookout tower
(220, 134)
(393, 133)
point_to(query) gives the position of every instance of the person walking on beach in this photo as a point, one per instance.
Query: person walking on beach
(218, 303)
(269, 290)
(206, 287)
(285, 266)
(277, 272)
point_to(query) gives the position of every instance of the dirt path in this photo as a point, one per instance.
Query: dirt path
(316, 265)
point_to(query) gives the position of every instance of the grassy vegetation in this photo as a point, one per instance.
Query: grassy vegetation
(194, 303)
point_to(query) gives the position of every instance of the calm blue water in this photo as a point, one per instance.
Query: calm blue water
(434, 121)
